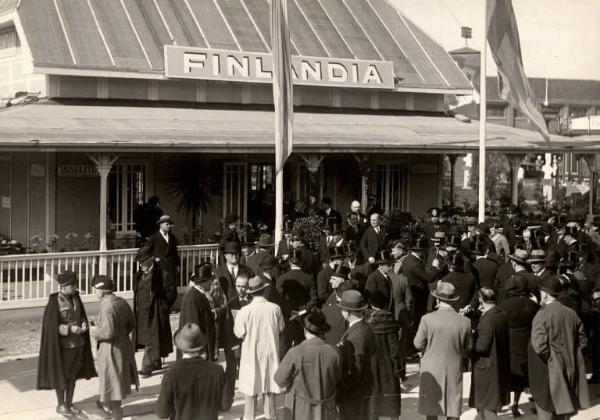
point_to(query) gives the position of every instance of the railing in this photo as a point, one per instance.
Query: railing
(27, 280)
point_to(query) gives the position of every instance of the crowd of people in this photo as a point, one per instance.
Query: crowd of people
(516, 304)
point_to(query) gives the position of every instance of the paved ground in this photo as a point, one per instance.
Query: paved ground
(21, 401)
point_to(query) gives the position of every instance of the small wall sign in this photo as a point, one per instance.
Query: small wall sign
(77, 171)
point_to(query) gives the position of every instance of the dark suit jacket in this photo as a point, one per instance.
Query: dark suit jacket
(353, 234)
(323, 286)
(415, 272)
(169, 261)
(297, 290)
(253, 262)
(377, 282)
(358, 348)
(371, 242)
(485, 270)
(464, 284)
(333, 315)
(195, 308)
(191, 389)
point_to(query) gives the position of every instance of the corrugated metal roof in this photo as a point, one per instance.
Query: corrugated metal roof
(129, 35)
(560, 91)
(114, 128)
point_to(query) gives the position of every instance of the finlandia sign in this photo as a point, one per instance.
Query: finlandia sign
(201, 63)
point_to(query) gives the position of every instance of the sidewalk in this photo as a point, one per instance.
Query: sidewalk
(20, 400)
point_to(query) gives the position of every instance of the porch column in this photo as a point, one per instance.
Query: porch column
(452, 158)
(515, 164)
(103, 164)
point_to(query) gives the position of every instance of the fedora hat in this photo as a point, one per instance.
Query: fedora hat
(454, 240)
(203, 272)
(551, 285)
(445, 291)
(265, 241)
(165, 218)
(232, 248)
(536, 256)
(315, 322)
(231, 218)
(66, 277)
(520, 256)
(102, 282)
(189, 338)
(383, 257)
(352, 300)
(341, 271)
(256, 284)
(144, 254)
(337, 252)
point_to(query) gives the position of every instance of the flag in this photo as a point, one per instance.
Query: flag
(283, 97)
(513, 87)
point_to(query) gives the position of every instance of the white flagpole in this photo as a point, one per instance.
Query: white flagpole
(482, 116)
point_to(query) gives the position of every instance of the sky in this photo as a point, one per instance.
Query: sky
(559, 38)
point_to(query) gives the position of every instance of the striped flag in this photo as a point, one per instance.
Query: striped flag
(513, 87)
(283, 97)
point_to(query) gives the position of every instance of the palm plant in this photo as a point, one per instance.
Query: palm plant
(188, 186)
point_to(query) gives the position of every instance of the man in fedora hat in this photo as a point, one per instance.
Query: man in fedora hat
(191, 389)
(264, 248)
(230, 233)
(539, 264)
(490, 380)
(484, 268)
(556, 366)
(336, 258)
(117, 371)
(152, 328)
(196, 308)
(331, 310)
(357, 347)
(445, 339)
(373, 238)
(331, 238)
(163, 245)
(258, 325)
(310, 372)
(399, 251)
(65, 350)
(309, 262)
(379, 280)
(269, 271)
(519, 259)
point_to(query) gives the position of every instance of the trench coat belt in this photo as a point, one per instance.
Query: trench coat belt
(315, 402)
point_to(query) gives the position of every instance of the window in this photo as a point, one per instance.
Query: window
(9, 38)
(127, 188)
(235, 192)
(261, 177)
(390, 186)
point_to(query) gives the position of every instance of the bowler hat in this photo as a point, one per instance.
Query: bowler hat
(102, 282)
(445, 291)
(551, 285)
(232, 248)
(265, 241)
(315, 322)
(352, 301)
(520, 256)
(203, 272)
(165, 218)
(189, 338)
(536, 256)
(143, 254)
(297, 234)
(230, 218)
(256, 284)
(67, 277)
(341, 271)
(383, 257)
(337, 252)
(268, 263)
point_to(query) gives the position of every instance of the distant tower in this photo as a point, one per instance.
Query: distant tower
(465, 32)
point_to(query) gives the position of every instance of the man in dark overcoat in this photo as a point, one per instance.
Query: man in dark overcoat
(484, 268)
(152, 328)
(332, 311)
(163, 245)
(556, 366)
(373, 239)
(379, 280)
(491, 358)
(65, 351)
(336, 256)
(311, 372)
(357, 348)
(264, 248)
(195, 306)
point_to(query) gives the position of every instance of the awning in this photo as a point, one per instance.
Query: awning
(58, 127)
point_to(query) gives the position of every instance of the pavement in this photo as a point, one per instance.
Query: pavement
(21, 401)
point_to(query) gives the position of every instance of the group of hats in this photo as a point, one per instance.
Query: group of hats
(99, 281)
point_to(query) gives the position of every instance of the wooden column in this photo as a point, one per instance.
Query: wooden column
(104, 164)
(515, 164)
(452, 158)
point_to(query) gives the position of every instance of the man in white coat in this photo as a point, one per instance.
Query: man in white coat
(259, 324)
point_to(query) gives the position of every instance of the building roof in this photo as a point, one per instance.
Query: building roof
(7, 6)
(129, 36)
(47, 126)
(560, 91)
